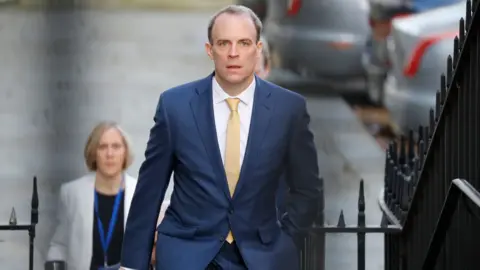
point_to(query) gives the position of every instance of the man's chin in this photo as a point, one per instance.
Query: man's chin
(236, 78)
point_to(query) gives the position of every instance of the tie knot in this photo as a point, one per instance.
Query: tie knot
(233, 103)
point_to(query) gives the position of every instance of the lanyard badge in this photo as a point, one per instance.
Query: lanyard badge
(106, 239)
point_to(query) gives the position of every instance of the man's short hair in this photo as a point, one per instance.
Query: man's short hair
(236, 10)
(93, 141)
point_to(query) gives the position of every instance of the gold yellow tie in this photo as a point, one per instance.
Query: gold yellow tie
(232, 150)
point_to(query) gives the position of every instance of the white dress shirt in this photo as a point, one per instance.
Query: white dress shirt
(221, 112)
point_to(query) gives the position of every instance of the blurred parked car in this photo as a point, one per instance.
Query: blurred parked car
(419, 47)
(319, 40)
(258, 6)
(375, 57)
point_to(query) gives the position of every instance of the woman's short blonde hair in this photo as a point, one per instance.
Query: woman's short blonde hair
(265, 51)
(93, 141)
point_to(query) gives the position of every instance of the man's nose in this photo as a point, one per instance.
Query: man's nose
(233, 51)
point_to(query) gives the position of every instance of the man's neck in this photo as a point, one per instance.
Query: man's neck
(108, 185)
(234, 90)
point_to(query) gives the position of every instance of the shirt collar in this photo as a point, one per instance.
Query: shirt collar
(245, 97)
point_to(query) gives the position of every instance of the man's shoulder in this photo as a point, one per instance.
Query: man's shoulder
(183, 90)
(285, 95)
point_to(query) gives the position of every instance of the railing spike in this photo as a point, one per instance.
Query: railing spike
(361, 197)
(34, 213)
(391, 184)
(341, 220)
(443, 89)
(403, 155)
(432, 122)
(391, 150)
(13, 217)
(468, 16)
(461, 34)
(456, 49)
(420, 135)
(449, 70)
(438, 105)
(411, 147)
(398, 193)
(415, 170)
(361, 205)
(394, 151)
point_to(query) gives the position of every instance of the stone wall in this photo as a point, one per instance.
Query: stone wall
(61, 74)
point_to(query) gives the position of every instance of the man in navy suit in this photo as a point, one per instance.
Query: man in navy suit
(227, 138)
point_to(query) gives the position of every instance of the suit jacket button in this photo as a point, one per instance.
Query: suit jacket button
(230, 211)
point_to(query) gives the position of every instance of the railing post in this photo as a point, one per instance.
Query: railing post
(33, 221)
(14, 226)
(361, 224)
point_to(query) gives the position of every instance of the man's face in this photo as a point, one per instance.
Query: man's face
(234, 49)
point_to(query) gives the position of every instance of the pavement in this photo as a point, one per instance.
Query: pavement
(62, 73)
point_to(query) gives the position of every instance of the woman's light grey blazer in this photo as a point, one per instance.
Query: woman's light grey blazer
(72, 240)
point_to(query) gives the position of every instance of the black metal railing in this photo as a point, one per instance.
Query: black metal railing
(419, 170)
(458, 189)
(311, 254)
(448, 149)
(31, 228)
(419, 173)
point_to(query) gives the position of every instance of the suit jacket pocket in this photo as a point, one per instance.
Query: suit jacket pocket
(268, 232)
(172, 228)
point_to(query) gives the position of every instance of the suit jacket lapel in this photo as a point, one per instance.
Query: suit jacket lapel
(202, 109)
(261, 115)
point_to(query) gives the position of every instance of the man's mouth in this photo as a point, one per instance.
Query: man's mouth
(233, 67)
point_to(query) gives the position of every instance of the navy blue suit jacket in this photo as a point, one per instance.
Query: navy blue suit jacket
(183, 140)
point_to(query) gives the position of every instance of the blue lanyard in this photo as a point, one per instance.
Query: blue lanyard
(105, 240)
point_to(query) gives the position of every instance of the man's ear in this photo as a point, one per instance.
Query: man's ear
(208, 49)
(259, 47)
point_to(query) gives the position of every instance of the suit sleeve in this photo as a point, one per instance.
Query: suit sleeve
(303, 180)
(153, 180)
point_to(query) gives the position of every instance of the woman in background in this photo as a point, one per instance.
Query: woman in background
(262, 68)
(93, 209)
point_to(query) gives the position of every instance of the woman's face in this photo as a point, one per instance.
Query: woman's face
(111, 153)
(261, 69)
